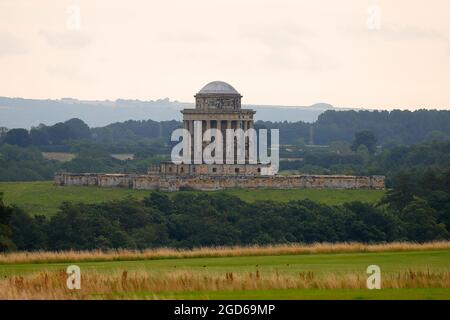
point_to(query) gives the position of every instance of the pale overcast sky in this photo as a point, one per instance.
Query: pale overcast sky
(286, 52)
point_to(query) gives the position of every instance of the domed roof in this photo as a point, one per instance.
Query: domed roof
(218, 87)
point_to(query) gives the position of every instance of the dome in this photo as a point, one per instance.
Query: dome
(218, 87)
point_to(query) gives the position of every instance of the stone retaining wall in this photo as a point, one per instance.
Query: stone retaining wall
(216, 182)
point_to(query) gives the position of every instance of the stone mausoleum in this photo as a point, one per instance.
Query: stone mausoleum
(217, 105)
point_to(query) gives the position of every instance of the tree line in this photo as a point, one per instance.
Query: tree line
(28, 164)
(352, 148)
(339, 158)
(390, 127)
(61, 135)
(416, 209)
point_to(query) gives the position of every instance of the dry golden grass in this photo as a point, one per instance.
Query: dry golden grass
(166, 253)
(58, 156)
(121, 285)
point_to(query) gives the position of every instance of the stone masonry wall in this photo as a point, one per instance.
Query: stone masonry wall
(217, 182)
(207, 169)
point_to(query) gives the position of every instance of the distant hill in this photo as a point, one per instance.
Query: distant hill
(291, 114)
(25, 113)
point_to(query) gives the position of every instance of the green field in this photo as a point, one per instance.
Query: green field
(45, 198)
(305, 294)
(338, 263)
(320, 264)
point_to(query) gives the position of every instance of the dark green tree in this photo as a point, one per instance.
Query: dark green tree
(403, 192)
(366, 138)
(39, 136)
(18, 137)
(421, 222)
(6, 243)
(160, 201)
(28, 233)
(59, 133)
(79, 129)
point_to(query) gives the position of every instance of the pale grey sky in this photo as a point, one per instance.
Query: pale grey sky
(287, 52)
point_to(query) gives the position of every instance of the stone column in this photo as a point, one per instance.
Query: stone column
(229, 123)
(249, 126)
(246, 127)
(206, 136)
(236, 126)
(219, 127)
(191, 130)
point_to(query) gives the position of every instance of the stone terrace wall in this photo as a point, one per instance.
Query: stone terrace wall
(209, 182)
(93, 179)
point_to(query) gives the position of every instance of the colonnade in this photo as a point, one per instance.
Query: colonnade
(222, 125)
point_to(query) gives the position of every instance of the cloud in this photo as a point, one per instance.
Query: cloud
(289, 45)
(411, 32)
(186, 37)
(68, 39)
(276, 36)
(11, 45)
(65, 71)
(403, 33)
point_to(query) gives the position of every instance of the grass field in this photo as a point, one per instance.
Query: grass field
(304, 294)
(423, 274)
(45, 198)
(320, 264)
